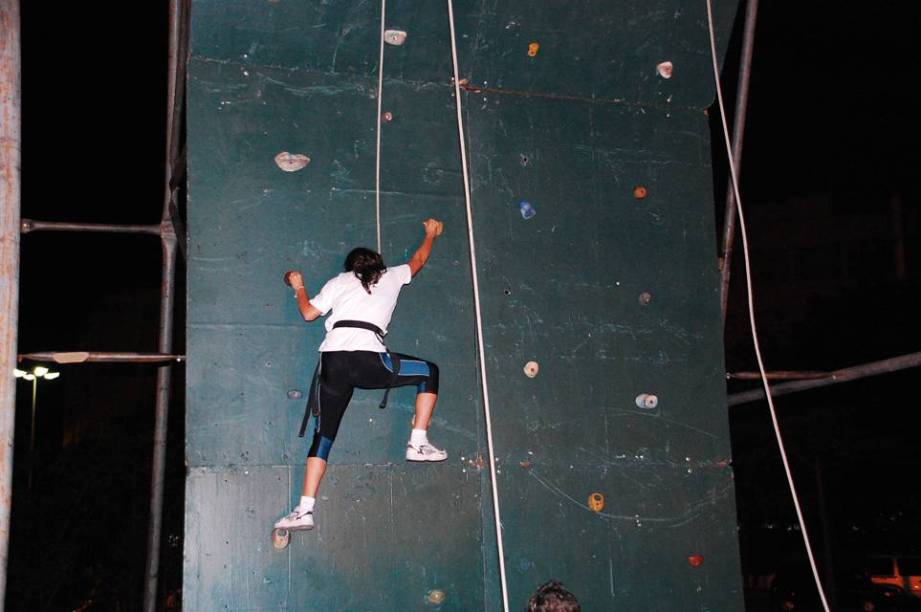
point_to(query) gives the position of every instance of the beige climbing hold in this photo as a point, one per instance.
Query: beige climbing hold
(531, 369)
(291, 162)
(436, 597)
(395, 37)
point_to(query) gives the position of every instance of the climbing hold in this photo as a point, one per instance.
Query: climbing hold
(696, 560)
(665, 69)
(645, 298)
(531, 369)
(524, 160)
(647, 401)
(533, 48)
(435, 597)
(639, 192)
(525, 463)
(291, 162)
(395, 37)
(596, 502)
(387, 117)
(295, 394)
(280, 538)
(527, 211)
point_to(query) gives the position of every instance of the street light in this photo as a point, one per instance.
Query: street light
(38, 372)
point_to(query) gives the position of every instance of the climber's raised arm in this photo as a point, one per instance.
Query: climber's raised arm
(433, 229)
(296, 281)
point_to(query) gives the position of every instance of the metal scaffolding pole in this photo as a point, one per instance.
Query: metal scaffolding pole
(101, 357)
(31, 225)
(10, 148)
(738, 135)
(175, 80)
(894, 364)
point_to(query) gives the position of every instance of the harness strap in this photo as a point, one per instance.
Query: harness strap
(313, 399)
(362, 325)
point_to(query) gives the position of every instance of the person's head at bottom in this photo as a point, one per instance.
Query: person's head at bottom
(552, 596)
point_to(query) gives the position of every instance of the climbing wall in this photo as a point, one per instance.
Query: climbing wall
(592, 203)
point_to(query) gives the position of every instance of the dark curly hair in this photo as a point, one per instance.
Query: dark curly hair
(552, 596)
(367, 266)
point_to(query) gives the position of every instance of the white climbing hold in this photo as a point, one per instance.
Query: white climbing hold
(291, 162)
(664, 69)
(647, 400)
(531, 369)
(394, 37)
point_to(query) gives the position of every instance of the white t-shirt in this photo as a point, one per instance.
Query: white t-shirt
(350, 302)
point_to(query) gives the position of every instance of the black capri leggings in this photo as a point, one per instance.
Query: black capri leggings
(342, 371)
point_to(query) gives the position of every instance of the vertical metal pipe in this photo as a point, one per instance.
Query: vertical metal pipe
(10, 148)
(158, 463)
(738, 135)
(167, 302)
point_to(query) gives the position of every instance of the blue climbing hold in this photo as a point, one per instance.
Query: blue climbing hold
(527, 211)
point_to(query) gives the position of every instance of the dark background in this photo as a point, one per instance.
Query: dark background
(828, 183)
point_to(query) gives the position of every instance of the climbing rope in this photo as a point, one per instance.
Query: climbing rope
(751, 312)
(479, 317)
(377, 159)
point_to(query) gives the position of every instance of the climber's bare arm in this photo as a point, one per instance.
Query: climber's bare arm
(296, 282)
(433, 229)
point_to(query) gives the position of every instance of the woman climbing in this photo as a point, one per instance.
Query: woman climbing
(362, 300)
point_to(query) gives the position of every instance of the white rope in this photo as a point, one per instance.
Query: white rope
(377, 160)
(479, 317)
(751, 313)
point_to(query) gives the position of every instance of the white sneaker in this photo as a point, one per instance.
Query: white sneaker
(424, 452)
(298, 520)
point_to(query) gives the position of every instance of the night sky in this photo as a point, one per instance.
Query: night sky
(831, 156)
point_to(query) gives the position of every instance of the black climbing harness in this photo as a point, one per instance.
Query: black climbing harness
(313, 400)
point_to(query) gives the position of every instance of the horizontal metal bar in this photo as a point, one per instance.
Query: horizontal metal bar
(31, 225)
(893, 364)
(778, 375)
(101, 357)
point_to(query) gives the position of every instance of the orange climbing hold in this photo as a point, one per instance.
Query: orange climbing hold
(596, 502)
(533, 48)
(639, 192)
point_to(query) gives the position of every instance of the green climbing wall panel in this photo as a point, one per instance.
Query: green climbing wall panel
(612, 295)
